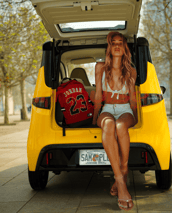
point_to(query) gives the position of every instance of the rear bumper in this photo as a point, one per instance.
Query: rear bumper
(66, 158)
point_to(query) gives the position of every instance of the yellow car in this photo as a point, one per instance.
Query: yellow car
(78, 30)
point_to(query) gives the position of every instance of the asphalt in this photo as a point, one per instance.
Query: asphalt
(72, 192)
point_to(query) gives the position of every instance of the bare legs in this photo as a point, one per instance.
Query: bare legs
(118, 151)
(122, 125)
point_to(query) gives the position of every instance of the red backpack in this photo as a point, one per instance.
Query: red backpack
(75, 103)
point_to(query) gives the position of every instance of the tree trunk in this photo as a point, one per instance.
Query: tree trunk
(23, 98)
(6, 111)
(1, 100)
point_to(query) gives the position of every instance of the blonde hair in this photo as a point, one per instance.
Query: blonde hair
(126, 58)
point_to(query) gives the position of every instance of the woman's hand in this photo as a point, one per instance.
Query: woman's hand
(94, 122)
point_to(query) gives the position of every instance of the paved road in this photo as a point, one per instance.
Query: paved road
(69, 192)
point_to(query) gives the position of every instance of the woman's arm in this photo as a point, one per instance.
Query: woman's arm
(132, 92)
(98, 95)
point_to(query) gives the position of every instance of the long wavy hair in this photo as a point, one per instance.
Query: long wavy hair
(126, 58)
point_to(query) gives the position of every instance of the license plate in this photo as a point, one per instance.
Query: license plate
(93, 157)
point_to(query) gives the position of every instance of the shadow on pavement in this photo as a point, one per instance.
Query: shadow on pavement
(78, 192)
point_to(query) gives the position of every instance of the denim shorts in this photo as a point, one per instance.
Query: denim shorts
(117, 109)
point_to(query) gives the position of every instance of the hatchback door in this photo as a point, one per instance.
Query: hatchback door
(58, 17)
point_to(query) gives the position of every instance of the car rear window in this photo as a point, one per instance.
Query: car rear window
(92, 26)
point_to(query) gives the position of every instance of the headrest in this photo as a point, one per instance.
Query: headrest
(81, 74)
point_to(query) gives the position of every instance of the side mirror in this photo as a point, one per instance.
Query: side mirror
(163, 89)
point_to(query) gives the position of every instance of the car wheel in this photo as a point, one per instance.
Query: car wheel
(163, 178)
(38, 179)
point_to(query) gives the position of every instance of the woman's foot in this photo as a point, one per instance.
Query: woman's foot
(114, 190)
(124, 198)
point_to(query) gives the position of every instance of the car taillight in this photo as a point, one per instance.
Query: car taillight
(42, 102)
(144, 155)
(148, 99)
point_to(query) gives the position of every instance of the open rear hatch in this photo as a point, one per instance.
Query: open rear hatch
(57, 14)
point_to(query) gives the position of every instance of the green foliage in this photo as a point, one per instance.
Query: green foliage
(2, 34)
(12, 49)
(35, 61)
(21, 37)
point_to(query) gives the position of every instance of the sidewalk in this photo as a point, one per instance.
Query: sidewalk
(16, 124)
(68, 192)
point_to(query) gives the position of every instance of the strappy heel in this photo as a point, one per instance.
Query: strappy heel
(125, 173)
(114, 192)
(125, 207)
(123, 200)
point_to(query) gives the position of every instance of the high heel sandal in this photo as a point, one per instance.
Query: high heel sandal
(123, 200)
(125, 207)
(125, 173)
(114, 191)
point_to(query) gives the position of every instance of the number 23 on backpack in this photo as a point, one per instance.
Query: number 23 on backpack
(75, 102)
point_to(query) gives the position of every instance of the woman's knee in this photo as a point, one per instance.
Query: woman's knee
(121, 128)
(108, 125)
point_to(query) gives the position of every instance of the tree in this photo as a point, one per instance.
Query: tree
(21, 37)
(157, 28)
(30, 59)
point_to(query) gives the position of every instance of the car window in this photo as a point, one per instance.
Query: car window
(92, 25)
(89, 68)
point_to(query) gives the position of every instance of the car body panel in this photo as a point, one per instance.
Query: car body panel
(41, 90)
(40, 133)
(45, 131)
(155, 130)
(151, 85)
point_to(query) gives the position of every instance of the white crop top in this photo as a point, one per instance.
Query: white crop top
(124, 89)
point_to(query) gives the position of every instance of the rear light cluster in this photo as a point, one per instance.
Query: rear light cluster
(148, 99)
(49, 156)
(145, 156)
(42, 102)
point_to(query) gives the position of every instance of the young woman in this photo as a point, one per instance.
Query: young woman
(115, 85)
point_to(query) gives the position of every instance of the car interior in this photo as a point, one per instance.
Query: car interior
(79, 57)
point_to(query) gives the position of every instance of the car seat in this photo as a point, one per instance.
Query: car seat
(80, 73)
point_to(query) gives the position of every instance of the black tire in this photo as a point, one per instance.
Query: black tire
(163, 178)
(38, 179)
